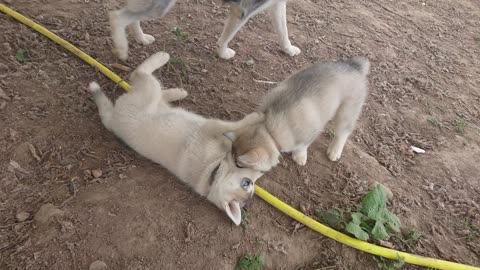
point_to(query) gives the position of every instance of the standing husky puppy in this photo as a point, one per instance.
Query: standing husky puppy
(298, 109)
(190, 146)
(240, 11)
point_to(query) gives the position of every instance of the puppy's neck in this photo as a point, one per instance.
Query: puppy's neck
(277, 145)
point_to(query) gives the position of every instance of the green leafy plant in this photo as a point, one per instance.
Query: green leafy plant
(20, 56)
(335, 218)
(250, 262)
(373, 218)
(180, 33)
(331, 134)
(386, 264)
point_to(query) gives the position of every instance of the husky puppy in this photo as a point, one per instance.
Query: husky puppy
(298, 109)
(240, 11)
(189, 145)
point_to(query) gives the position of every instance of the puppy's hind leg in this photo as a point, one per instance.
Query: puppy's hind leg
(119, 20)
(344, 123)
(174, 94)
(104, 105)
(279, 19)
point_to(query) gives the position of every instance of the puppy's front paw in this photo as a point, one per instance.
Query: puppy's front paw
(300, 157)
(292, 50)
(226, 53)
(121, 53)
(145, 39)
(334, 152)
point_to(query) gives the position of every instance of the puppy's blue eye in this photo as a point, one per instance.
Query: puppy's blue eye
(246, 183)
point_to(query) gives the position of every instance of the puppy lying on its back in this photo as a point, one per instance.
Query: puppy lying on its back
(297, 110)
(189, 145)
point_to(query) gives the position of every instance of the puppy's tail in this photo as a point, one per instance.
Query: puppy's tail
(104, 104)
(361, 64)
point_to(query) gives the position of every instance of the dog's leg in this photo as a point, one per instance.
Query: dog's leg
(174, 94)
(139, 36)
(104, 105)
(300, 155)
(279, 19)
(233, 23)
(119, 20)
(344, 123)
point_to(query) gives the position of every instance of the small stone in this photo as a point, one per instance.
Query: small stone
(97, 173)
(22, 216)
(46, 212)
(204, 70)
(98, 265)
(250, 62)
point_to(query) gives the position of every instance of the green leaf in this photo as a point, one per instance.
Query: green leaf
(357, 231)
(392, 221)
(374, 202)
(20, 55)
(379, 232)
(332, 217)
(357, 218)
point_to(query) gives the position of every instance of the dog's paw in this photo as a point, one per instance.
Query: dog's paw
(226, 53)
(334, 152)
(292, 50)
(121, 53)
(300, 157)
(182, 93)
(145, 39)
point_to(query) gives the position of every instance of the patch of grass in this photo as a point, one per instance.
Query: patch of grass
(180, 33)
(250, 262)
(330, 133)
(386, 264)
(435, 122)
(179, 61)
(460, 125)
(245, 220)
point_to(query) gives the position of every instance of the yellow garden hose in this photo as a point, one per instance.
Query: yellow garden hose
(269, 198)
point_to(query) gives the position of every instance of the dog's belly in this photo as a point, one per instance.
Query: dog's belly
(161, 137)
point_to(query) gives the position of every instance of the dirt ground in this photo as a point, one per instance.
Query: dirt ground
(132, 214)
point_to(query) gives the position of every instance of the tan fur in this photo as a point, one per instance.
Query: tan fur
(298, 109)
(189, 145)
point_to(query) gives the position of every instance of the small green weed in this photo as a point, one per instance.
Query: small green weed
(250, 262)
(245, 220)
(386, 264)
(330, 133)
(180, 62)
(333, 217)
(435, 122)
(20, 56)
(180, 33)
(460, 125)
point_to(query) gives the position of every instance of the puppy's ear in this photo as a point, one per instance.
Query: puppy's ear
(234, 212)
(230, 135)
(253, 157)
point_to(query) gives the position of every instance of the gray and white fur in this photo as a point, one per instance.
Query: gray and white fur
(189, 145)
(136, 11)
(297, 110)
